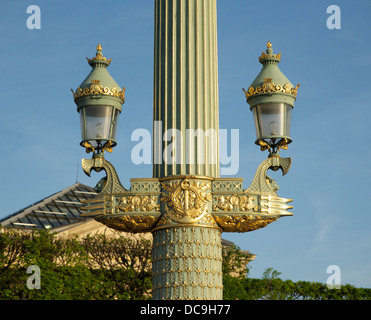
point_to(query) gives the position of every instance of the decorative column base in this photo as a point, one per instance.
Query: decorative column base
(187, 264)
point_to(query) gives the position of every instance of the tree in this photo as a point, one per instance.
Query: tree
(74, 268)
(235, 270)
(127, 261)
(105, 268)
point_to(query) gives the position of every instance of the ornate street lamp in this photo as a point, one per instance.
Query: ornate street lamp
(186, 206)
(271, 97)
(99, 102)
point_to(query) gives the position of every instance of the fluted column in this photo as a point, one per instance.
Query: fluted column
(186, 107)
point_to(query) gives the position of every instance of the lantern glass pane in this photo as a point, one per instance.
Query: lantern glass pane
(272, 120)
(82, 123)
(96, 124)
(115, 124)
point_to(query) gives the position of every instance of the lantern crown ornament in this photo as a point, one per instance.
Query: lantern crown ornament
(271, 97)
(99, 101)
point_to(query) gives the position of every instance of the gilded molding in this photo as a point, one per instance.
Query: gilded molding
(269, 87)
(243, 223)
(131, 223)
(138, 203)
(97, 89)
(235, 203)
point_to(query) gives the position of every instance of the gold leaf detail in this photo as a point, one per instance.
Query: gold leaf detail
(269, 87)
(138, 203)
(236, 203)
(243, 223)
(96, 89)
(89, 148)
(186, 201)
(138, 223)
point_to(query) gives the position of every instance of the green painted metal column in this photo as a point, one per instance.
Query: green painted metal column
(187, 255)
(187, 264)
(186, 106)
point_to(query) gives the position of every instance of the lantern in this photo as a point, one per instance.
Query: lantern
(99, 102)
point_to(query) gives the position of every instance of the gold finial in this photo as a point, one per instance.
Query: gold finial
(269, 45)
(99, 56)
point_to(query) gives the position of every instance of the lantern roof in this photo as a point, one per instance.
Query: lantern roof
(271, 85)
(99, 87)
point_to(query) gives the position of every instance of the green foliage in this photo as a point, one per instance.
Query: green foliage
(270, 287)
(74, 269)
(234, 289)
(235, 262)
(235, 270)
(104, 268)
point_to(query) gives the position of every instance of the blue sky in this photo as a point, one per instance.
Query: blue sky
(330, 176)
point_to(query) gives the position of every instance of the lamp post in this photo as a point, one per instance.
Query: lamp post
(187, 205)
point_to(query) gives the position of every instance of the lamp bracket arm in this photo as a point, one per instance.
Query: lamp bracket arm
(111, 183)
(262, 183)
